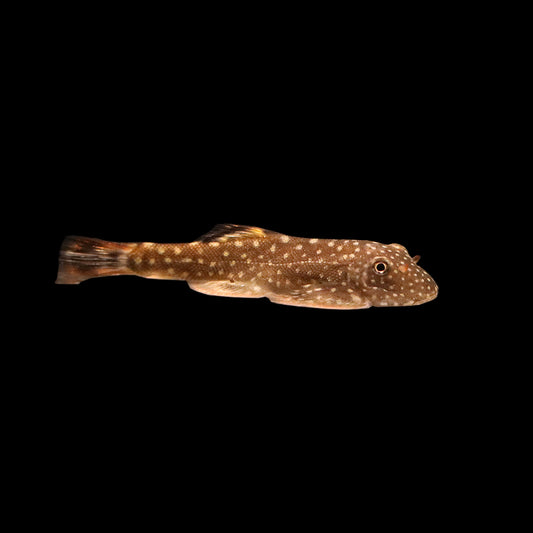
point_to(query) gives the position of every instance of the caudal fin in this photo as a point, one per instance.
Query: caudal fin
(82, 258)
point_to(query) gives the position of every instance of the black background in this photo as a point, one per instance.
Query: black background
(154, 135)
(342, 139)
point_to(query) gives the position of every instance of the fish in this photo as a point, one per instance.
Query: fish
(250, 262)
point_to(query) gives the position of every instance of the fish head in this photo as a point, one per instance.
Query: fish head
(389, 276)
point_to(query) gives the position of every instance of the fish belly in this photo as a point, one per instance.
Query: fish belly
(319, 296)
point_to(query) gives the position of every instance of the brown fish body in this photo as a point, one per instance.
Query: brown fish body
(249, 262)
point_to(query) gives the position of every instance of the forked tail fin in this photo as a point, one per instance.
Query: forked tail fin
(82, 258)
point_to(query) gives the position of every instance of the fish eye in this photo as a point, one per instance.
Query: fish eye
(381, 267)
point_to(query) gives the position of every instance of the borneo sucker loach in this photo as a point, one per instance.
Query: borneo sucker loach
(250, 262)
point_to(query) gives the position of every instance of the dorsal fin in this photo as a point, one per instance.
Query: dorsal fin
(223, 232)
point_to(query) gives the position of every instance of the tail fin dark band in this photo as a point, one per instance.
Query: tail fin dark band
(82, 258)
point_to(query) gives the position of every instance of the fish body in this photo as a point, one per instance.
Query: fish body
(250, 262)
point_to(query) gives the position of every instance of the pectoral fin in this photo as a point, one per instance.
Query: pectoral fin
(322, 296)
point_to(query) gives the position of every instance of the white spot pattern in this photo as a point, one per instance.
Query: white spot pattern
(334, 273)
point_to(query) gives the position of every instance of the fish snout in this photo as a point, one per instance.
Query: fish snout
(427, 291)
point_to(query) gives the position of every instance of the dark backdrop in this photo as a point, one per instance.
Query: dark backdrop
(159, 139)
